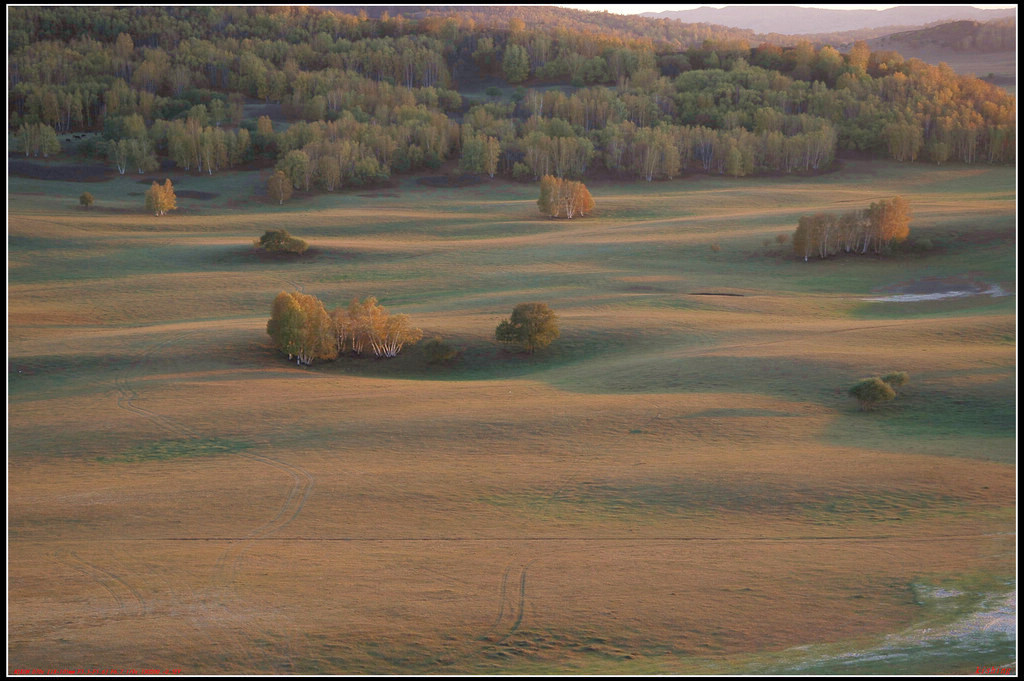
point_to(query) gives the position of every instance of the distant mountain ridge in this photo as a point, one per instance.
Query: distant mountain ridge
(792, 20)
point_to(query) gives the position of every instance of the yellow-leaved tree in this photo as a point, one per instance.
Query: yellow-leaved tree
(301, 328)
(160, 198)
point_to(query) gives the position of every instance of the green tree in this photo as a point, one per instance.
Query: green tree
(295, 166)
(532, 326)
(516, 64)
(872, 391)
(285, 324)
(86, 200)
(300, 327)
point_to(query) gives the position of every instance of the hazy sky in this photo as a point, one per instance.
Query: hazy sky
(637, 9)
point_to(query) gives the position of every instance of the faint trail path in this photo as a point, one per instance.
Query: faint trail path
(130, 602)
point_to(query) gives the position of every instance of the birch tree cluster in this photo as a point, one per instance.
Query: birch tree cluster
(302, 328)
(564, 198)
(872, 230)
(160, 198)
(37, 138)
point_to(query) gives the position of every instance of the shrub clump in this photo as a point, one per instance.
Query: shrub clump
(280, 241)
(532, 326)
(439, 351)
(872, 391)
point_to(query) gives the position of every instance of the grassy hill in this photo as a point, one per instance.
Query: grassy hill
(987, 50)
(679, 484)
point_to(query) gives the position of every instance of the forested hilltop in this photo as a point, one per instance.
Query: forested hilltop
(359, 98)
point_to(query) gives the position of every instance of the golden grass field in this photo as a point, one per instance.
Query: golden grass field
(679, 484)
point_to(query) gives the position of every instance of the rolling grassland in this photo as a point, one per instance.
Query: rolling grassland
(679, 484)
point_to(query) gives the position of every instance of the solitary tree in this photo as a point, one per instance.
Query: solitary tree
(86, 200)
(279, 187)
(871, 391)
(160, 198)
(532, 325)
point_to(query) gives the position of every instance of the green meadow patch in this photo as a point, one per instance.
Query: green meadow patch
(977, 422)
(166, 450)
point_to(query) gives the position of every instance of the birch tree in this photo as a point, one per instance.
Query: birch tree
(160, 198)
(300, 327)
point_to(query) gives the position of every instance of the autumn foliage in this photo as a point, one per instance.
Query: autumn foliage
(302, 328)
(873, 230)
(160, 198)
(561, 198)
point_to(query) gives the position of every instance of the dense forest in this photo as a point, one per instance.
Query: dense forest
(356, 99)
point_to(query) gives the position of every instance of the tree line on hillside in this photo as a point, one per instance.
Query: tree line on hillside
(873, 229)
(638, 107)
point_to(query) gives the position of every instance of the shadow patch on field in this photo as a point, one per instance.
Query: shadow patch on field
(244, 256)
(738, 295)
(478, 359)
(700, 498)
(68, 374)
(64, 173)
(786, 377)
(164, 450)
(191, 194)
(977, 422)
